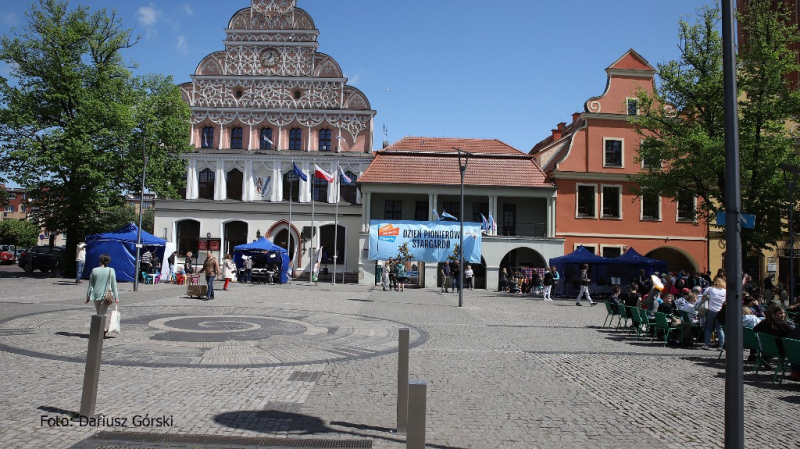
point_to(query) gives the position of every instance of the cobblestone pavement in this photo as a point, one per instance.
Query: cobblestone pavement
(273, 365)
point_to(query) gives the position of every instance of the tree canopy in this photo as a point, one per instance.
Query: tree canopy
(682, 123)
(75, 121)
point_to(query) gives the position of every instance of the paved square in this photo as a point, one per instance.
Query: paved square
(269, 365)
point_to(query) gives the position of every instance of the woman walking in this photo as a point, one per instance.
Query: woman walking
(102, 279)
(548, 284)
(716, 298)
(401, 276)
(228, 270)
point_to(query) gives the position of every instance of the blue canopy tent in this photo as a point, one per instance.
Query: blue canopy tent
(569, 267)
(639, 262)
(120, 245)
(263, 253)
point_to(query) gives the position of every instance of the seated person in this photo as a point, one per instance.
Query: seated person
(748, 318)
(271, 272)
(526, 286)
(755, 304)
(615, 299)
(513, 285)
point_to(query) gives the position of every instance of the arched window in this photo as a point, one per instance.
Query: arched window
(234, 185)
(208, 137)
(205, 184)
(235, 234)
(265, 139)
(236, 138)
(348, 190)
(324, 140)
(291, 186)
(319, 189)
(295, 139)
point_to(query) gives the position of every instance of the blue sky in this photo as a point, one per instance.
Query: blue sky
(497, 69)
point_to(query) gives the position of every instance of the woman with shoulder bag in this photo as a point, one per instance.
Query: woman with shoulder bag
(103, 286)
(228, 271)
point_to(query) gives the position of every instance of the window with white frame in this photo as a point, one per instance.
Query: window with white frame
(611, 198)
(610, 251)
(586, 201)
(632, 105)
(612, 152)
(9, 209)
(651, 205)
(592, 248)
(687, 206)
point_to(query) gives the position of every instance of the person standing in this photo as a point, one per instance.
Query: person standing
(769, 287)
(248, 269)
(103, 278)
(455, 273)
(446, 277)
(228, 271)
(716, 298)
(469, 276)
(211, 270)
(171, 264)
(401, 276)
(80, 261)
(548, 284)
(385, 276)
(146, 262)
(392, 274)
(188, 264)
(584, 281)
(156, 264)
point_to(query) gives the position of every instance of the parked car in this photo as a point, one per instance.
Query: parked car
(8, 254)
(41, 258)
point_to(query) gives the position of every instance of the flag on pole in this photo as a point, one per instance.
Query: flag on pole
(435, 215)
(345, 178)
(484, 224)
(492, 224)
(446, 215)
(299, 172)
(322, 174)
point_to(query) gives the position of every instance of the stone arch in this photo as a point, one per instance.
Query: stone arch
(327, 67)
(210, 65)
(277, 235)
(676, 258)
(355, 99)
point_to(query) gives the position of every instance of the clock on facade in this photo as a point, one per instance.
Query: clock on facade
(269, 58)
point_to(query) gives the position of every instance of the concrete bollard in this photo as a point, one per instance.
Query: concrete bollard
(402, 381)
(417, 394)
(93, 358)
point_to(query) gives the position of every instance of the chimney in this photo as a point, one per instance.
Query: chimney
(575, 116)
(556, 134)
(560, 126)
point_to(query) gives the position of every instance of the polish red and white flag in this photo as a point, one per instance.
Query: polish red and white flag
(322, 174)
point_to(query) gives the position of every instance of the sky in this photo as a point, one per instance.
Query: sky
(490, 69)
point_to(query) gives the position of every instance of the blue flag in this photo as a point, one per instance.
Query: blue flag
(484, 224)
(435, 215)
(446, 215)
(492, 225)
(299, 172)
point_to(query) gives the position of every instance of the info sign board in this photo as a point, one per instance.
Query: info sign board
(425, 241)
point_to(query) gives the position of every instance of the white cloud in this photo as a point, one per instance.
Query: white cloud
(147, 17)
(182, 45)
(9, 19)
(188, 9)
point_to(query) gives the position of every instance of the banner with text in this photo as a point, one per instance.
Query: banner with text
(425, 241)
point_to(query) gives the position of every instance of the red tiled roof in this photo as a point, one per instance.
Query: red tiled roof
(435, 162)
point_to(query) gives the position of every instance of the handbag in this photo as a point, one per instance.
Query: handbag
(108, 296)
(114, 324)
(702, 309)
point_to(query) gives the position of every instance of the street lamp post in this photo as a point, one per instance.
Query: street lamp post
(141, 213)
(462, 168)
(790, 183)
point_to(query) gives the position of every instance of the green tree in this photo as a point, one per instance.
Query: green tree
(74, 124)
(682, 123)
(20, 233)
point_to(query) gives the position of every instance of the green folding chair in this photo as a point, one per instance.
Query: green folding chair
(696, 330)
(751, 342)
(611, 314)
(623, 315)
(645, 320)
(769, 346)
(664, 325)
(792, 349)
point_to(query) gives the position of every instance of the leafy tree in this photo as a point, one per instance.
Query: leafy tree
(121, 216)
(20, 233)
(74, 124)
(682, 123)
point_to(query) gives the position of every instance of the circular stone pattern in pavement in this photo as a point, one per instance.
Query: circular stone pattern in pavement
(207, 337)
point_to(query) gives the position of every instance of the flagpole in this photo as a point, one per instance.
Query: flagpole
(336, 220)
(312, 259)
(289, 231)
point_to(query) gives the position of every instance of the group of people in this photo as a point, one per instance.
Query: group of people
(393, 275)
(451, 277)
(520, 284)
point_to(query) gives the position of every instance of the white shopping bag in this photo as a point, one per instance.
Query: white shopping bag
(114, 323)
